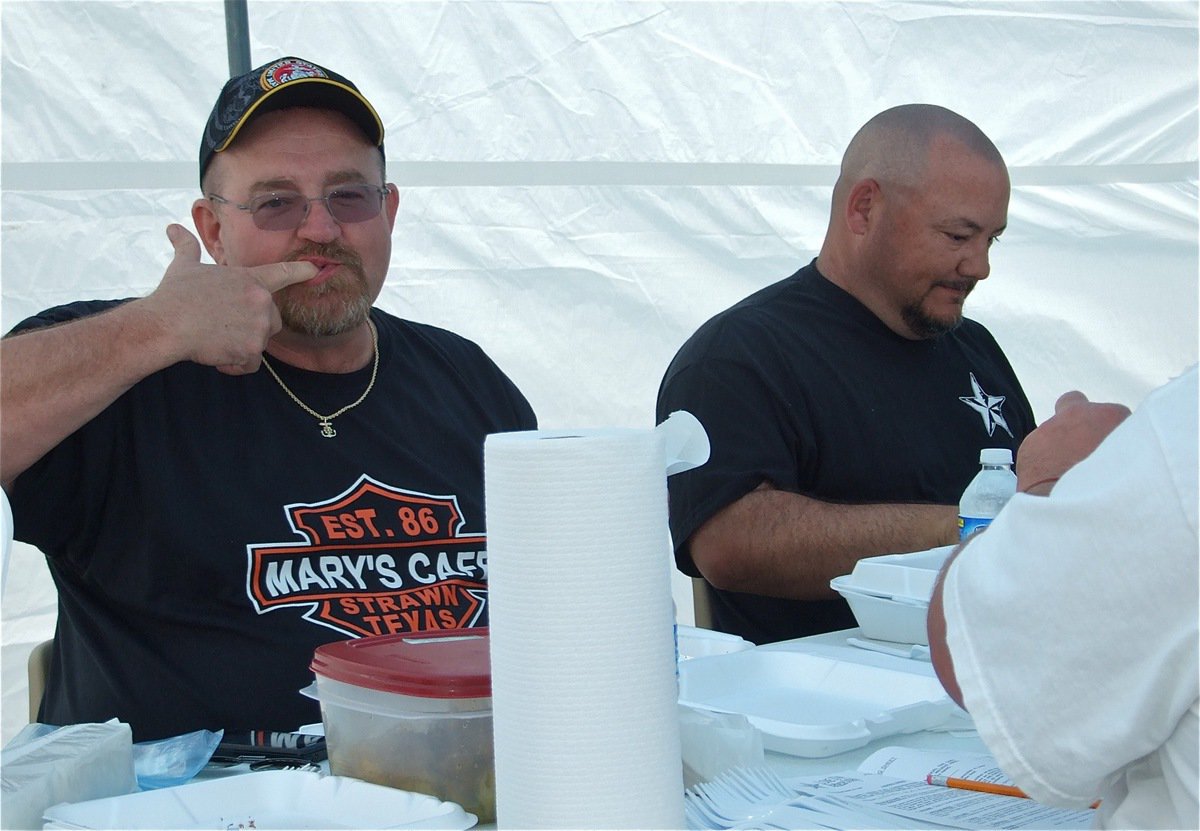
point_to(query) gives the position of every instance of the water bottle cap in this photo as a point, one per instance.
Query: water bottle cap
(995, 456)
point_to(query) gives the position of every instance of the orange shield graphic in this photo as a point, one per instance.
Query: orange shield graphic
(375, 560)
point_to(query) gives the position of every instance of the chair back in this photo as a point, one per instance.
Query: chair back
(700, 604)
(39, 668)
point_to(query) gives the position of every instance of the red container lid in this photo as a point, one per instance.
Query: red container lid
(448, 664)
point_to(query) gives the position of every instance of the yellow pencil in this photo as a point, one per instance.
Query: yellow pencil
(972, 785)
(982, 787)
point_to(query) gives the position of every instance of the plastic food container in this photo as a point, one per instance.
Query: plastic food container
(412, 711)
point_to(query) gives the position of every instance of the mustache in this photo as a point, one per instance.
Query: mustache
(958, 285)
(330, 251)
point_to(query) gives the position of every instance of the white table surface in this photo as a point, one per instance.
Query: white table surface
(786, 765)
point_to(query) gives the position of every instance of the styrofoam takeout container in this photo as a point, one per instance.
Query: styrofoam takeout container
(885, 618)
(412, 711)
(889, 595)
(695, 642)
(814, 705)
(909, 575)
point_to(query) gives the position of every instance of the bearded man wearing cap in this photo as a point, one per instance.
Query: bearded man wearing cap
(251, 460)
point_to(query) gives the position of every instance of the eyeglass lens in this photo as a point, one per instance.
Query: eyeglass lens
(285, 210)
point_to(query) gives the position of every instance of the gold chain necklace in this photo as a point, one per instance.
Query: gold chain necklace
(326, 421)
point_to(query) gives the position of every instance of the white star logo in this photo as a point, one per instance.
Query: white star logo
(987, 406)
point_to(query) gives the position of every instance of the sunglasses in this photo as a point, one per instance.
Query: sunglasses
(286, 210)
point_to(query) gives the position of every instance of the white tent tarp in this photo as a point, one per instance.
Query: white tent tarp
(584, 183)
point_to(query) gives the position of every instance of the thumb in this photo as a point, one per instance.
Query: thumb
(187, 247)
(1068, 400)
(278, 276)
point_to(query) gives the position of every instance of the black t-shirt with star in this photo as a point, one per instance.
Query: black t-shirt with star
(802, 386)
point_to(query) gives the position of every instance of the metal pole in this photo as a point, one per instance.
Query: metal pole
(237, 37)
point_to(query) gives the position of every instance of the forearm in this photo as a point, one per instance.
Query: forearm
(782, 544)
(935, 624)
(55, 379)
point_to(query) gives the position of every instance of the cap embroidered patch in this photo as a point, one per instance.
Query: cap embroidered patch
(289, 69)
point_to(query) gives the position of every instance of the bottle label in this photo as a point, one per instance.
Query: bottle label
(968, 525)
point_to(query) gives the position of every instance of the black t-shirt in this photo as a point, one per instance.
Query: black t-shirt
(802, 386)
(205, 537)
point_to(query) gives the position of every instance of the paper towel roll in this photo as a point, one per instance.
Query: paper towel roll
(584, 687)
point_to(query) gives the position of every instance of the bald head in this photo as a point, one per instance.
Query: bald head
(893, 147)
(922, 195)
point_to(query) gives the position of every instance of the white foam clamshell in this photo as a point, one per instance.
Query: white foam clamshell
(899, 575)
(898, 620)
(889, 595)
(813, 705)
(695, 642)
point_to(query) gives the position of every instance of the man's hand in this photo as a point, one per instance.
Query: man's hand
(220, 316)
(57, 378)
(1067, 437)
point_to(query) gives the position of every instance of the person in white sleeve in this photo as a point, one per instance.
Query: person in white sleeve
(1068, 629)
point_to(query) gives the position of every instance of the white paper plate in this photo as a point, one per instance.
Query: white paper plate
(812, 705)
(265, 800)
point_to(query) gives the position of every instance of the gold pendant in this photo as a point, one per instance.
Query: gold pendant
(327, 429)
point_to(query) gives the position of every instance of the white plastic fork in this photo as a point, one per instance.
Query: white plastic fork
(711, 808)
(699, 815)
(776, 813)
(762, 782)
(738, 795)
(696, 817)
(721, 806)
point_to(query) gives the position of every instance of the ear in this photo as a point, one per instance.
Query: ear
(391, 204)
(863, 197)
(208, 227)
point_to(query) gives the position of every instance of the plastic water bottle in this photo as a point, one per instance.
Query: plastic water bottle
(993, 485)
(675, 635)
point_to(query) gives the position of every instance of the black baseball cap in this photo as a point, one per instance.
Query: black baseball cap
(286, 82)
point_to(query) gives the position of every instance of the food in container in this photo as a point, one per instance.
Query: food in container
(412, 711)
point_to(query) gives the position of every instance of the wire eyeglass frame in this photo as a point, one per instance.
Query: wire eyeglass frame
(287, 210)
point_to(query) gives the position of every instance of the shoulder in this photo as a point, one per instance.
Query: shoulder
(1171, 413)
(973, 330)
(760, 310)
(755, 322)
(439, 355)
(974, 339)
(410, 335)
(1177, 397)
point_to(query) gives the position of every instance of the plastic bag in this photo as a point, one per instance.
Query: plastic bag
(174, 760)
(45, 765)
(715, 742)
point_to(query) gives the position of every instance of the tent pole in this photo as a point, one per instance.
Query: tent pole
(237, 37)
